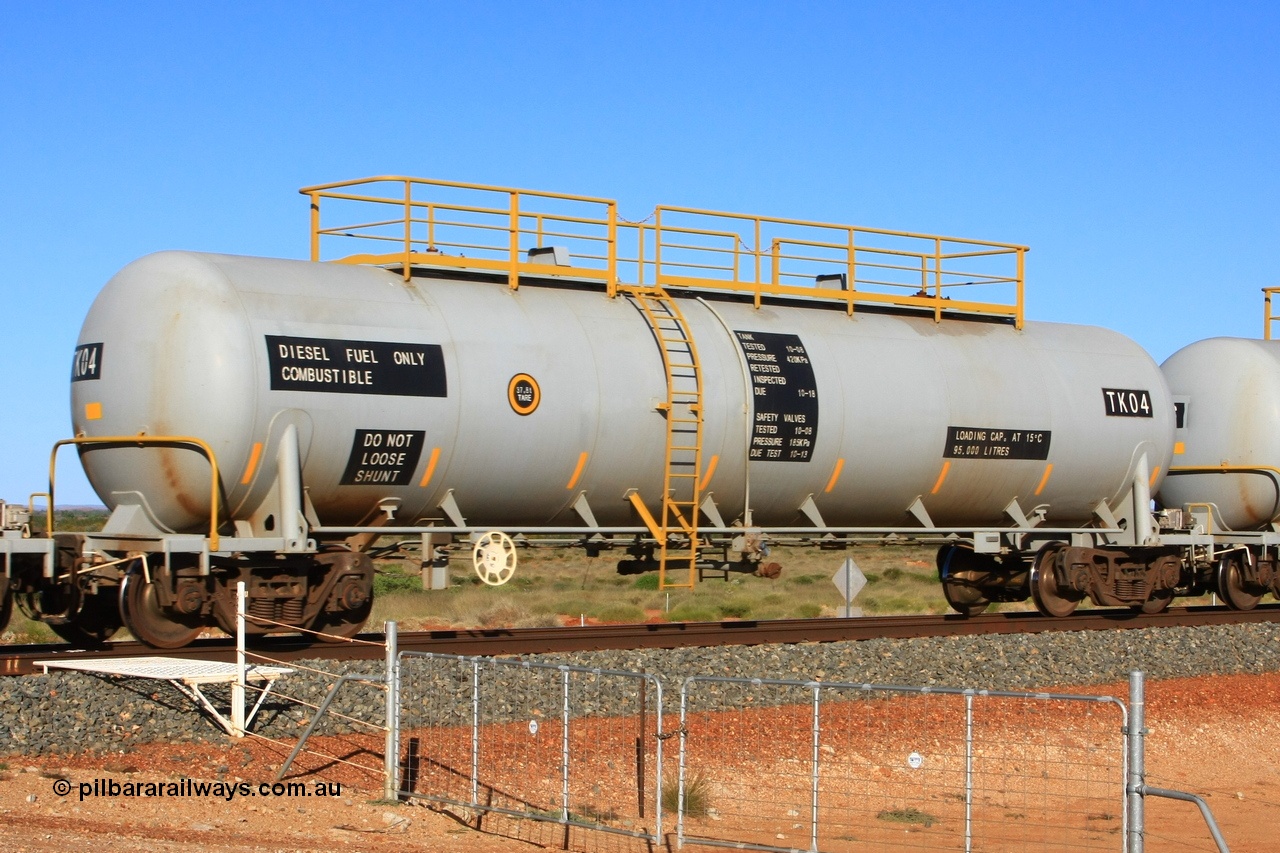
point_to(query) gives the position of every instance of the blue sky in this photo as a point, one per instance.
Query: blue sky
(1135, 147)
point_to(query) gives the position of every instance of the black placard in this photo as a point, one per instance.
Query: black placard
(988, 443)
(356, 367)
(383, 457)
(87, 363)
(1127, 402)
(785, 397)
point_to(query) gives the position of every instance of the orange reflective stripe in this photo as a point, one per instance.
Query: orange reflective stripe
(711, 469)
(254, 456)
(1048, 469)
(835, 475)
(577, 472)
(946, 466)
(431, 467)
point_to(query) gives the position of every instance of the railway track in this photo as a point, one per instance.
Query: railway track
(18, 660)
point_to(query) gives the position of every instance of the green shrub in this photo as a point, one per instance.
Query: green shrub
(389, 581)
(646, 581)
(619, 613)
(690, 611)
(576, 606)
(697, 794)
(907, 815)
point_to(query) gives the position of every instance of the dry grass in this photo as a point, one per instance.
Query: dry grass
(561, 585)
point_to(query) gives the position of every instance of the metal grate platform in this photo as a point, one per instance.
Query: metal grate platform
(186, 675)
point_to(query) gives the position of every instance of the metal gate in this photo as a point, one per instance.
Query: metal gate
(533, 750)
(840, 767)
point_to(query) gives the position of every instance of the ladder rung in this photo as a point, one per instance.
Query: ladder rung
(683, 460)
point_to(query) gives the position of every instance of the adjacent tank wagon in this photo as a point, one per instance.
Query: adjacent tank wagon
(1227, 445)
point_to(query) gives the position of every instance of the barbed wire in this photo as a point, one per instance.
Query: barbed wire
(337, 638)
(295, 665)
(378, 771)
(332, 713)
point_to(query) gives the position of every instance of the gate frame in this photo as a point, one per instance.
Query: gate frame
(477, 661)
(1126, 791)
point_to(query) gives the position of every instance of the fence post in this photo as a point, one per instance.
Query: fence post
(684, 744)
(815, 758)
(1134, 746)
(564, 753)
(237, 689)
(391, 761)
(968, 771)
(475, 734)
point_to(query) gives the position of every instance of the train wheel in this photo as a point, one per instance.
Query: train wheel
(97, 622)
(955, 570)
(964, 597)
(1230, 577)
(1045, 592)
(342, 627)
(494, 556)
(1158, 602)
(352, 594)
(142, 614)
(6, 606)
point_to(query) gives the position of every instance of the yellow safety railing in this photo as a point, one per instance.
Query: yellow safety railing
(1270, 317)
(139, 440)
(471, 226)
(429, 223)
(769, 256)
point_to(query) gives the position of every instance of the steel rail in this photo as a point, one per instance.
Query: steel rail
(17, 660)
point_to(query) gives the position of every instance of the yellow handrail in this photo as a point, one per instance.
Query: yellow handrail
(1269, 316)
(459, 225)
(1224, 468)
(141, 440)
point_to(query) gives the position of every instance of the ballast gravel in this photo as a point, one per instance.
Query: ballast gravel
(68, 711)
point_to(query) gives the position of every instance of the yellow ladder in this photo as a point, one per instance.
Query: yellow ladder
(678, 525)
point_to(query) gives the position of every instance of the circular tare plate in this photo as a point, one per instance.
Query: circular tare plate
(494, 556)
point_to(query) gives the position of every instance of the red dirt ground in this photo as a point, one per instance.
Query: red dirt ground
(1212, 736)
